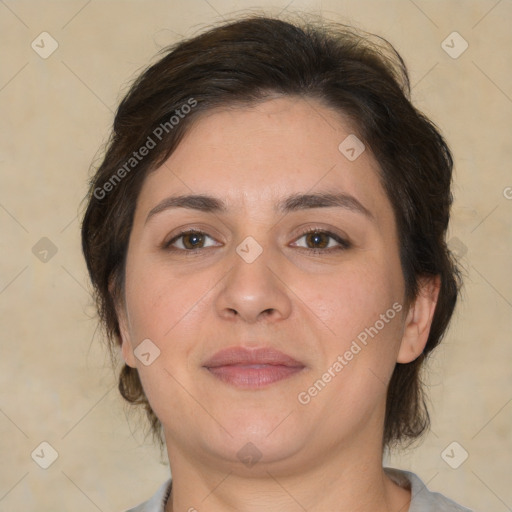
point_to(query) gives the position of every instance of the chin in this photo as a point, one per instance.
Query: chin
(255, 456)
(255, 440)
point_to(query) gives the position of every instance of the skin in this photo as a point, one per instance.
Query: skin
(322, 456)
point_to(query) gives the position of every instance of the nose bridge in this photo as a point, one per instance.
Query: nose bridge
(252, 286)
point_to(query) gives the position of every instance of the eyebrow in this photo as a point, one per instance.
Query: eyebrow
(294, 202)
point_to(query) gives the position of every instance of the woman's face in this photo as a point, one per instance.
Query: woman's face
(249, 276)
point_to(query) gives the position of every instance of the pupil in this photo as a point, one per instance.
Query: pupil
(317, 239)
(193, 240)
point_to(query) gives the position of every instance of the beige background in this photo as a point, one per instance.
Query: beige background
(56, 382)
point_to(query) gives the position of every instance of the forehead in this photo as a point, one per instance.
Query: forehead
(253, 155)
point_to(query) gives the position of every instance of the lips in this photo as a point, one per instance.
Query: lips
(244, 356)
(253, 368)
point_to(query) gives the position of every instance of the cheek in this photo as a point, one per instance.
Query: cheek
(362, 307)
(353, 299)
(157, 299)
(162, 309)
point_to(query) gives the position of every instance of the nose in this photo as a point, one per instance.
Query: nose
(254, 291)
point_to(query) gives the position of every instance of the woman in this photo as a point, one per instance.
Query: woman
(266, 238)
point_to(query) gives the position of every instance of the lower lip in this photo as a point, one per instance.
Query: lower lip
(253, 376)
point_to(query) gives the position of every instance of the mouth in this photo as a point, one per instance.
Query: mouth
(252, 369)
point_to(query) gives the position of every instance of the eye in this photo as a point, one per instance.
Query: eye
(188, 241)
(316, 240)
(322, 241)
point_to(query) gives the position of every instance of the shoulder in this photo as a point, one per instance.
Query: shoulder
(422, 499)
(157, 502)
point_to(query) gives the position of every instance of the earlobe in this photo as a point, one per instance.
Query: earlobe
(419, 320)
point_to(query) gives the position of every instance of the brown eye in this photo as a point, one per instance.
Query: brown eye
(193, 240)
(189, 241)
(319, 241)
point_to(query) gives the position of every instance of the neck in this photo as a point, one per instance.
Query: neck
(341, 482)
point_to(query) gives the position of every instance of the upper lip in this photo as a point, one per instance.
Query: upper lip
(244, 356)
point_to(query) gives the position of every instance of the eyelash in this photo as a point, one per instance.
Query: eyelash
(343, 244)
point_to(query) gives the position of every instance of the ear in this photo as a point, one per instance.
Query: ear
(124, 328)
(126, 345)
(419, 319)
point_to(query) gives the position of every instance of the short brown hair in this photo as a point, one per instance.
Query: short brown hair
(247, 60)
